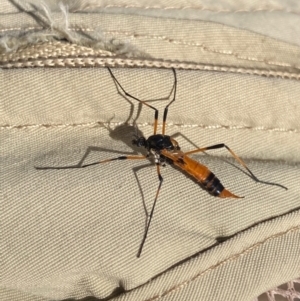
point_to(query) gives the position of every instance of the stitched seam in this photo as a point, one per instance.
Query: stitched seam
(21, 28)
(203, 47)
(120, 62)
(269, 9)
(146, 124)
(53, 50)
(184, 284)
(201, 8)
(192, 44)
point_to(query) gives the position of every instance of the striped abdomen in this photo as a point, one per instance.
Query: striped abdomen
(201, 173)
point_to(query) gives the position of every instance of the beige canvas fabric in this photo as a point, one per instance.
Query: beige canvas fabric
(73, 233)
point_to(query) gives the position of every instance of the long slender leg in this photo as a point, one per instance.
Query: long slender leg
(135, 172)
(185, 137)
(238, 159)
(167, 107)
(117, 158)
(95, 163)
(152, 210)
(86, 154)
(140, 101)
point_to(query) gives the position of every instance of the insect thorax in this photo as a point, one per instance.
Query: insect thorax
(159, 142)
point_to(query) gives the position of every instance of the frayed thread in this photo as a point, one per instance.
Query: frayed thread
(59, 30)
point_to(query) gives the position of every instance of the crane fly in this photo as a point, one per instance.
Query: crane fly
(164, 149)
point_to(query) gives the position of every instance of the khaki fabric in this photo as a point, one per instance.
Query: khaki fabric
(73, 233)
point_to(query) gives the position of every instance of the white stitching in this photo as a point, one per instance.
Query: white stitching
(145, 124)
(119, 62)
(190, 43)
(232, 258)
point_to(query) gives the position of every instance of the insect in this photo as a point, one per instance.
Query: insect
(164, 149)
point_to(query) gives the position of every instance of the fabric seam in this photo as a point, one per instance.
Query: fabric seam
(269, 8)
(203, 47)
(191, 44)
(184, 284)
(123, 62)
(201, 8)
(140, 125)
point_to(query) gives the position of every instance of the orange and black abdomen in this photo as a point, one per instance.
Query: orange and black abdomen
(201, 173)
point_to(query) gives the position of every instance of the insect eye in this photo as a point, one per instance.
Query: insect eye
(141, 141)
